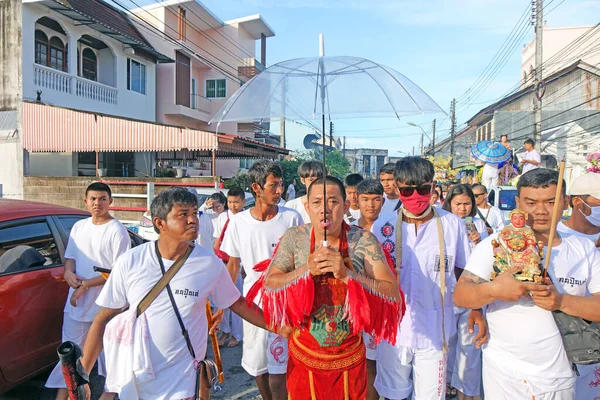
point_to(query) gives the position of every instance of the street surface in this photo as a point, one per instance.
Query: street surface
(238, 384)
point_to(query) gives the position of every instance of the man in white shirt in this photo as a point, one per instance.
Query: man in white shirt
(531, 159)
(290, 194)
(492, 216)
(350, 184)
(251, 237)
(231, 327)
(93, 242)
(172, 365)
(208, 221)
(386, 178)
(308, 171)
(417, 363)
(525, 357)
(585, 204)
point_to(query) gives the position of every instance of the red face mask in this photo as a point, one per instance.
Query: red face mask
(417, 203)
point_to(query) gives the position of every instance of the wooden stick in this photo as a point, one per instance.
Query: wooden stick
(215, 343)
(555, 216)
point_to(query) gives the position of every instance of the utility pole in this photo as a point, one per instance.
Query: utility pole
(538, 88)
(413, 150)
(433, 138)
(452, 130)
(282, 133)
(344, 147)
(422, 148)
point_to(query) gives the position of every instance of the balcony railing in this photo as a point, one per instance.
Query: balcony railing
(200, 103)
(63, 82)
(250, 67)
(95, 91)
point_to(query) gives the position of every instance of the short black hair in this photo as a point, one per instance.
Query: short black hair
(236, 192)
(530, 141)
(328, 180)
(353, 179)
(388, 168)
(163, 203)
(369, 186)
(539, 178)
(98, 187)
(478, 185)
(414, 171)
(260, 170)
(457, 190)
(220, 197)
(312, 168)
(506, 136)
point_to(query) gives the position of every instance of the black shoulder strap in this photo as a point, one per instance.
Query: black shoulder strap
(483, 218)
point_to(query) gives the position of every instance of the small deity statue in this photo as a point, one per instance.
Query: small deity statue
(516, 246)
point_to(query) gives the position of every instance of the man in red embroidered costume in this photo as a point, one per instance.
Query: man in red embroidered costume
(329, 293)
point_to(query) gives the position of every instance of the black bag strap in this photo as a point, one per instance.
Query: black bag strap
(184, 331)
(484, 218)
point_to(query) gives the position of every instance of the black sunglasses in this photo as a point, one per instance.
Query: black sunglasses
(479, 194)
(408, 191)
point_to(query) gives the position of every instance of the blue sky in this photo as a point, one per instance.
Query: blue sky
(441, 45)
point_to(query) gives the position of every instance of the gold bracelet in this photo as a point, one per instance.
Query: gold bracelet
(84, 285)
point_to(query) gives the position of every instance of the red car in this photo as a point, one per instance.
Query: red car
(33, 292)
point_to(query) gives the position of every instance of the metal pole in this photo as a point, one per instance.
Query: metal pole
(422, 138)
(452, 132)
(433, 138)
(537, 100)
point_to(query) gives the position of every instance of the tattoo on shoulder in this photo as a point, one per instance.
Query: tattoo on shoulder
(289, 249)
(364, 244)
(468, 276)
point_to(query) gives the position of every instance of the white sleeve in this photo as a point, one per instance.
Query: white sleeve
(218, 226)
(481, 260)
(113, 294)
(120, 243)
(499, 225)
(71, 250)
(536, 156)
(231, 241)
(463, 246)
(224, 292)
(593, 285)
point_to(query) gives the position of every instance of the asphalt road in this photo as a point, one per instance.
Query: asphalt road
(238, 384)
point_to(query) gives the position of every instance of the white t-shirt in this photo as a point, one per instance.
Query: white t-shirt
(489, 171)
(494, 217)
(93, 246)
(298, 205)
(291, 192)
(421, 326)
(206, 230)
(566, 231)
(531, 155)
(253, 241)
(354, 213)
(523, 337)
(220, 223)
(202, 275)
(388, 206)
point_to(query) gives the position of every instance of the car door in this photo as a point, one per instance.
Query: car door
(32, 295)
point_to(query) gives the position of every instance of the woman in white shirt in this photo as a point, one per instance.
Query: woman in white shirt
(464, 360)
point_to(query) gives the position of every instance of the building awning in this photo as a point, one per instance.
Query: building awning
(57, 129)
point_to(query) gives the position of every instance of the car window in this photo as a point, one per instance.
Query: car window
(507, 200)
(67, 222)
(27, 246)
(492, 197)
(135, 239)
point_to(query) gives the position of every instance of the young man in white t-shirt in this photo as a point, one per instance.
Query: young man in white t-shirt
(525, 357)
(208, 221)
(93, 242)
(417, 363)
(308, 171)
(531, 159)
(231, 327)
(350, 183)
(290, 193)
(491, 215)
(386, 178)
(171, 374)
(251, 237)
(585, 204)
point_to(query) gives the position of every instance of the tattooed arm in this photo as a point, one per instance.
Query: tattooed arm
(371, 268)
(283, 269)
(93, 342)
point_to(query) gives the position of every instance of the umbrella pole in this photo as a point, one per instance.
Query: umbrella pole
(323, 136)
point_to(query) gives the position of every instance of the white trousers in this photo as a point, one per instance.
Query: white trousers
(464, 360)
(76, 332)
(500, 383)
(232, 323)
(489, 181)
(403, 370)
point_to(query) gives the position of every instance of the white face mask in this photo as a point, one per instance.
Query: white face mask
(594, 217)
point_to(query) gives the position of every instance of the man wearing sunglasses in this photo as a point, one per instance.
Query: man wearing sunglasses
(492, 216)
(423, 240)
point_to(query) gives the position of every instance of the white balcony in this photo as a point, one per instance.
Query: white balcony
(200, 103)
(62, 82)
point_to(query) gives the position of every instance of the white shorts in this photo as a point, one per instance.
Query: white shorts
(263, 351)
(370, 346)
(587, 384)
(500, 383)
(76, 332)
(402, 371)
